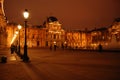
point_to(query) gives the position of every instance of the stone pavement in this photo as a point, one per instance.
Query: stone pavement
(12, 69)
(61, 65)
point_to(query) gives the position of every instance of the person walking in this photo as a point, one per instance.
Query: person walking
(55, 47)
(12, 48)
(100, 48)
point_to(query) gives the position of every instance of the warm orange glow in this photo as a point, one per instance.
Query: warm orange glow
(14, 37)
(19, 26)
(26, 14)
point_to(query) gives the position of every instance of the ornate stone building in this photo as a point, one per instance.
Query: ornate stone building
(99, 37)
(11, 28)
(55, 33)
(3, 33)
(114, 36)
(51, 33)
(108, 37)
(78, 39)
(38, 36)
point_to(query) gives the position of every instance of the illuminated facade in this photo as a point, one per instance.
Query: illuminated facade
(51, 33)
(99, 36)
(114, 36)
(75, 39)
(109, 38)
(38, 36)
(10, 28)
(3, 33)
(55, 33)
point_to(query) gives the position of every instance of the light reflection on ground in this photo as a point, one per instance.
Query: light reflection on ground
(12, 58)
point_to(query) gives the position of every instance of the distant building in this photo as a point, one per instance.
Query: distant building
(51, 34)
(38, 36)
(99, 36)
(76, 39)
(55, 33)
(114, 36)
(109, 38)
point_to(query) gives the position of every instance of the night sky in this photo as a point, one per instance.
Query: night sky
(72, 14)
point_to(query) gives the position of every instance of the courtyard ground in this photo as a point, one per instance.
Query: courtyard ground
(48, 64)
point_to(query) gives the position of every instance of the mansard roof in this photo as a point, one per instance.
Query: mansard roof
(52, 19)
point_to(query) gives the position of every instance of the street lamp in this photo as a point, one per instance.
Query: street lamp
(25, 56)
(19, 27)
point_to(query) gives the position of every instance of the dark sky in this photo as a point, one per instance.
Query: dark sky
(72, 14)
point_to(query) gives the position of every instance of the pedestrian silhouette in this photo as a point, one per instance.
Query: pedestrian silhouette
(55, 47)
(12, 48)
(100, 48)
(50, 47)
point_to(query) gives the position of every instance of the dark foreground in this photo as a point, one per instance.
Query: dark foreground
(61, 65)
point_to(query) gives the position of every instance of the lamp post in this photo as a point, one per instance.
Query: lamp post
(25, 56)
(19, 27)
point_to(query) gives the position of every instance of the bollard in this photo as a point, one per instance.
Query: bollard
(3, 59)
